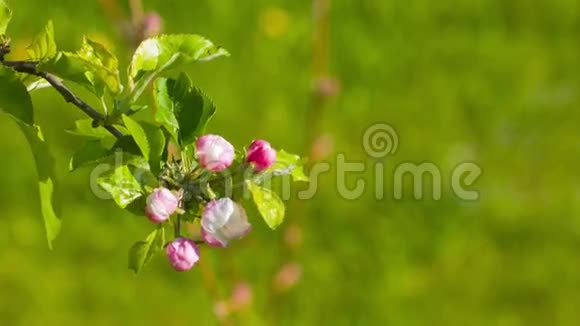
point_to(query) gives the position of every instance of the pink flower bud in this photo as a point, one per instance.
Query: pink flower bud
(152, 24)
(261, 154)
(221, 309)
(214, 152)
(322, 147)
(223, 220)
(182, 254)
(288, 276)
(161, 203)
(241, 296)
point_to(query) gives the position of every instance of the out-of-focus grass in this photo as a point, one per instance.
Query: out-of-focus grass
(494, 82)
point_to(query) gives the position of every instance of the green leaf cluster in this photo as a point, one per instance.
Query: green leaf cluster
(153, 150)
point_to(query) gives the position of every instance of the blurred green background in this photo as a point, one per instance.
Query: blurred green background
(494, 82)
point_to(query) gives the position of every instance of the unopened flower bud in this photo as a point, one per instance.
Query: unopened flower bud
(161, 203)
(241, 296)
(288, 276)
(182, 254)
(223, 220)
(261, 154)
(214, 152)
(152, 24)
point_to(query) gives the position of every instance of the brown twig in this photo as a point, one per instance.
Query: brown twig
(4, 50)
(29, 67)
(136, 11)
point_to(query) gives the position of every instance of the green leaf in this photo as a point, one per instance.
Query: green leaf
(159, 54)
(96, 52)
(125, 158)
(150, 140)
(178, 102)
(16, 103)
(93, 151)
(36, 84)
(93, 67)
(103, 148)
(31, 82)
(46, 178)
(114, 158)
(154, 53)
(164, 113)
(137, 207)
(193, 113)
(122, 185)
(43, 46)
(71, 67)
(103, 63)
(134, 108)
(127, 145)
(287, 163)
(84, 127)
(142, 251)
(5, 16)
(14, 99)
(268, 203)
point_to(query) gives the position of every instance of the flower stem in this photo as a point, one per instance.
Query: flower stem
(177, 231)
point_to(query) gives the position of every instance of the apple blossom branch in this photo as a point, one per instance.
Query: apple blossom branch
(29, 67)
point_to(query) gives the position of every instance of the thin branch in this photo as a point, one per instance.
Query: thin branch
(29, 67)
(136, 11)
(3, 51)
